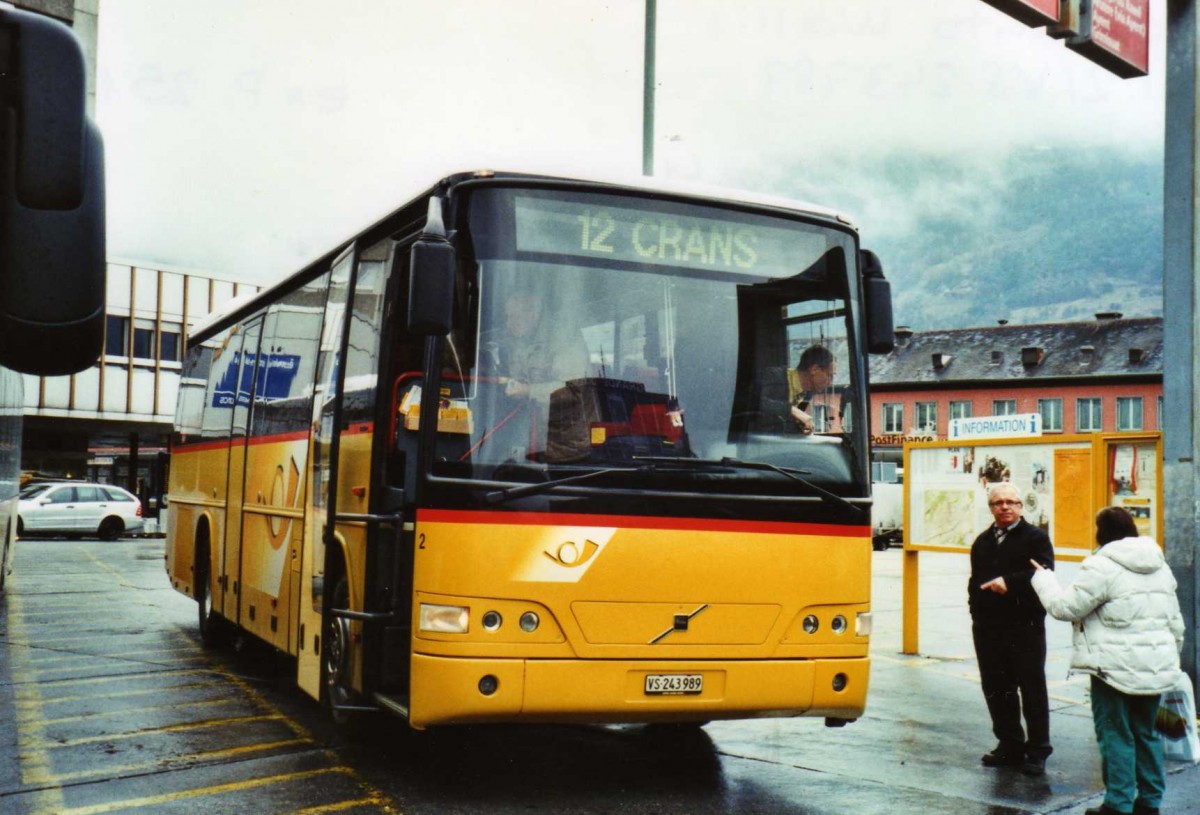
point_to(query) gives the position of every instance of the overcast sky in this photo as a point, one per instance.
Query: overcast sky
(245, 137)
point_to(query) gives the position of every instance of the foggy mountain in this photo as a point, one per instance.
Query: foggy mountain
(1036, 236)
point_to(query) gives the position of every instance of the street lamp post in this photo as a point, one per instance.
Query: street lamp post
(648, 92)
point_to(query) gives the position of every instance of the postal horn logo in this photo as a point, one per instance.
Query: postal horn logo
(571, 554)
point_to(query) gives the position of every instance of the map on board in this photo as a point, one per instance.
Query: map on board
(948, 517)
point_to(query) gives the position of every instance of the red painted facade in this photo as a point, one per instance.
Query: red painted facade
(1025, 394)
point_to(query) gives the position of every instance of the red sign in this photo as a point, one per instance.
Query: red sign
(1118, 36)
(1030, 12)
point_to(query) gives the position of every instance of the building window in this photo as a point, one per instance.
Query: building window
(960, 410)
(1051, 412)
(116, 336)
(1129, 413)
(893, 417)
(143, 341)
(170, 342)
(1159, 416)
(1088, 418)
(1004, 407)
(927, 417)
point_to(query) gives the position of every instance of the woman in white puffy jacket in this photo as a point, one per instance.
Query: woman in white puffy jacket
(1128, 635)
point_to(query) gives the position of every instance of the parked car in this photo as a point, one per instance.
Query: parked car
(76, 509)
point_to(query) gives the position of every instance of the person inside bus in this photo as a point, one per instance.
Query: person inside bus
(814, 375)
(533, 356)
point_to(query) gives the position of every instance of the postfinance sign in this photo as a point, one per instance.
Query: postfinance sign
(996, 427)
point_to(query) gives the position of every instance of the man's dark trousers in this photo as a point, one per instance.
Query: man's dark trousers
(1012, 660)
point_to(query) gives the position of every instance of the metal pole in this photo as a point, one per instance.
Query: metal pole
(1181, 424)
(648, 91)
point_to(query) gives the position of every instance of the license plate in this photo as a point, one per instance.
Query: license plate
(671, 684)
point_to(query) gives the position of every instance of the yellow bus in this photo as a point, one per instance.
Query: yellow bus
(537, 449)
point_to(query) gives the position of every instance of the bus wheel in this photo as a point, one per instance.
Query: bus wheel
(208, 623)
(335, 659)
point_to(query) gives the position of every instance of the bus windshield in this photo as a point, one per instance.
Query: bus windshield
(609, 332)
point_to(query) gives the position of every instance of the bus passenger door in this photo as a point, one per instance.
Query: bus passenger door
(231, 553)
(325, 404)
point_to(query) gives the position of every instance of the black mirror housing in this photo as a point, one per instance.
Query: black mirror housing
(52, 246)
(431, 268)
(877, 293)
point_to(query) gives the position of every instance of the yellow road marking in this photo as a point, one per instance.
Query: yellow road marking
(375, 799)
(94, 680)
(149, 731)
(173, 762)
(234, 786)
(33, 761)
(64, 656)
(58, 700)
(100, 714)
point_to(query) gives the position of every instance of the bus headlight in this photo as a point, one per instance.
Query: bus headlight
(810, 624)
(444, 619)
(838, 625)
(862, 624)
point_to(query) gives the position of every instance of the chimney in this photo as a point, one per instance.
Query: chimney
(1002, 321)
(1032, 356)
(903, 335)
(940, 360)
(1108, 315)
(1136, 355)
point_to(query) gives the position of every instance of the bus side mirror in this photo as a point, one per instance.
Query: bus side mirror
(877, 293)
(52, 252)
(431, 278)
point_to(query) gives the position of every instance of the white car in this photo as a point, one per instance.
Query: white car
(76, 509)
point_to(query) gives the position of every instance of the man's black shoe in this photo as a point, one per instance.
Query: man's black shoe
(1002, 758)
(1141, 809)
(1105, 809)
(1034, 766)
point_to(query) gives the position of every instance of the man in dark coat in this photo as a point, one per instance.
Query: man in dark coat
(1009, 628)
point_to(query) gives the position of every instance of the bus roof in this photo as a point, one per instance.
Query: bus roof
(684, 190)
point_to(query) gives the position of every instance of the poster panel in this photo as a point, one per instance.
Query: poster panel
(948, 486)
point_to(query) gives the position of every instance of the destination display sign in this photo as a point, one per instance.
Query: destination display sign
(1116, 35)
(1030, 12)
(606, 228)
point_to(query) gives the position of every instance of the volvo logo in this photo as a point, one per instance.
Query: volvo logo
(680, 623)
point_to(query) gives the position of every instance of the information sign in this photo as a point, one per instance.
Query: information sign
(1116, 35)
(996, 427)
(1030, 12)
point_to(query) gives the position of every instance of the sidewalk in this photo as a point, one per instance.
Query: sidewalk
(926, 724)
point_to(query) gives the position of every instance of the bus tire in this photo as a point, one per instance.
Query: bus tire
(208, 621)
(335, 652)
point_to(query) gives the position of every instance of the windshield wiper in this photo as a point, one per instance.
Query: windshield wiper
(500, 496)
(790, 472)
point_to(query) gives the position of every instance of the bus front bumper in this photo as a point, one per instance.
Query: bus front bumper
(448, 690)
